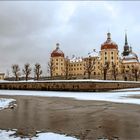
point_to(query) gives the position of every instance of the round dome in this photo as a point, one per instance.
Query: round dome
(109, 44)
(57, 52)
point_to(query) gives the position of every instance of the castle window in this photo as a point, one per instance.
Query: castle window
(105, 58)
(111, 57)
(56, 63)
(56, 59)
(111, 52)
(105, 53)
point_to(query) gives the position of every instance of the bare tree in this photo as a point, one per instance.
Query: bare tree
(16, 71)
(26, 71)
(37, 71)
(114, 70)
(89, 66)
(66, 68)
(104, 68)
(126, 72)
(135, 72)
(51, 68)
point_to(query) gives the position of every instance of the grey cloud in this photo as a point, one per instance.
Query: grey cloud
(30, 30)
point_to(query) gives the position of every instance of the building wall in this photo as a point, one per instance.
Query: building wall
(109, 53)
(2, 76)
(69, 85)
(58, 66)
(76, 69)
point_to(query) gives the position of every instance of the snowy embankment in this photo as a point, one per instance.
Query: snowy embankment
(10, 135)
(69, 81)
(5, 103)
(112, 96)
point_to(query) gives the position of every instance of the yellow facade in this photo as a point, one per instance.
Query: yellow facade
(58, 66)
(76, 67)
(2, 76)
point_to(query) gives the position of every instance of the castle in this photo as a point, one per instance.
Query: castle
(107, 64)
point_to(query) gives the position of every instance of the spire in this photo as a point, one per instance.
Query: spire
(126, 46)
(126, 43)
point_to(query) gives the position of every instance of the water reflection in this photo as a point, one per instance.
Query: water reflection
(85, 119)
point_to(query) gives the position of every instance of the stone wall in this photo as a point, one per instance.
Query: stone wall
(69, 85)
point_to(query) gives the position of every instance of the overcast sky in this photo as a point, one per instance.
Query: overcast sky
(29, 30)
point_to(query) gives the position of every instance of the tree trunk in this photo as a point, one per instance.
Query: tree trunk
(89, 75)
(104, 74)
(26, 77)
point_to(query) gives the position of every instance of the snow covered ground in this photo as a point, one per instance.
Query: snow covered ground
(75, 80)
(5, 103)
(8, 135)
(120, 96)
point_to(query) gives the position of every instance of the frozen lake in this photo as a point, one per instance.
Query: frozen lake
(120, 96)
(77, 114)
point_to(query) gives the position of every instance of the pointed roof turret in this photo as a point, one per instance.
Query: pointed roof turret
(126, 46)
(126, 43)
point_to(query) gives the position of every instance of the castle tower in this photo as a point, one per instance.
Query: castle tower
(109, 51)
(58, 62)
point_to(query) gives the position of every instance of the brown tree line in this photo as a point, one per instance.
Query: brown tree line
(89, 67)
(26, 71)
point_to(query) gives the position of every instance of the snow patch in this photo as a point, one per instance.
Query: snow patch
(9, 135)
(5, 103)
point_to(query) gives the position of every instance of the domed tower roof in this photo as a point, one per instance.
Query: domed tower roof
(57, 52)
(109, 44)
